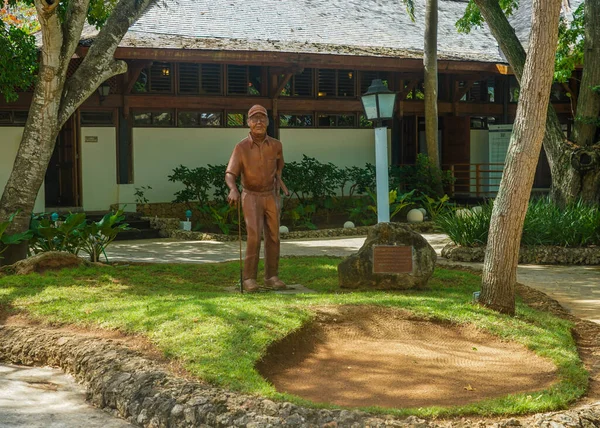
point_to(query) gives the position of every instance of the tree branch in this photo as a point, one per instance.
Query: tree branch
(73, 26)
(99, 63)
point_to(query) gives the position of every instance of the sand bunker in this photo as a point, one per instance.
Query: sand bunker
(370, 356)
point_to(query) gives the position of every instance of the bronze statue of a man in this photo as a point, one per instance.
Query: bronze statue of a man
(258, 158)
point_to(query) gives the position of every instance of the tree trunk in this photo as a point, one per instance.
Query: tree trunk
(55, 98)
(568, 184)
(588, 107)
(510, 206)
(40, 131)
(431, 86)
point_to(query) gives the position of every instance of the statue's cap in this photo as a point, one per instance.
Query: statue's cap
(256, 109)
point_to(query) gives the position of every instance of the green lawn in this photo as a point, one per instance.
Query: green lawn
(218, 336)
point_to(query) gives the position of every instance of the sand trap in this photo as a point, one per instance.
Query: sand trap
(369, 356)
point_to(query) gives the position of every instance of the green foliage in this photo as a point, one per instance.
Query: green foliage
(569, 52)
(201, 184)
(56, 236)
(310, 179)
(75, 234)
(96, 236)
(410, 9)
(196, 183)
(18, 55)
(361, 213)
(397, 201)
(18, 61)
(576, 225)
(302, 215)
(435, 206)
(140, 194)
(473, 18)
(423, 177)
(469, 228)
(222, 214)
(11, 239)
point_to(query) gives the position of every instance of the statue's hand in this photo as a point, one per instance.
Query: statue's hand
(234, 197)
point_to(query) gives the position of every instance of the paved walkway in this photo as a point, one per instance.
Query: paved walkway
(577, 288)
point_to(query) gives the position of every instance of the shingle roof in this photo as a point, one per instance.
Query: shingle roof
(521, 19)
(345, 27)
(351, 27)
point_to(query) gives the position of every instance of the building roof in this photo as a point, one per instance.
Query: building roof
(342, 27)
(379, 28)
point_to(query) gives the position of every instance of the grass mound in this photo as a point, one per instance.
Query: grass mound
(219, 336)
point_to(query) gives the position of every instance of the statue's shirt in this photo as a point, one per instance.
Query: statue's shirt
(257, 163)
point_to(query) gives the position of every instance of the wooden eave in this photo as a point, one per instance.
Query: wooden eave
(285, 59)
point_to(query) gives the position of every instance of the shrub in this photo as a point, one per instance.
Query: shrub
(11, 239)
(75, 234)
(422, 177)
(468, 230)
(577, 224)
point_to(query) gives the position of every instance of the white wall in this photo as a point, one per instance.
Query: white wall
(479, 154)
(342, 147)
(156, 152)
(10, 137)
(99, 168)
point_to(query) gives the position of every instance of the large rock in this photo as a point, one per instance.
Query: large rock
(40, 263)
(356, 271)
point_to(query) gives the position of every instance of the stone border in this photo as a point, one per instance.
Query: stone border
(538, 255)
(169, 228)
(139, 390)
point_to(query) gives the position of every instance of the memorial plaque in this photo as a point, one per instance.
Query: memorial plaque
(392, 259)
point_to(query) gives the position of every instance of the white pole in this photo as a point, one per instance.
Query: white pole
(381, 171)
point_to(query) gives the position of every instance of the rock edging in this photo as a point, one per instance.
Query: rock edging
(140, 390)
(169, 228)
(540, 255)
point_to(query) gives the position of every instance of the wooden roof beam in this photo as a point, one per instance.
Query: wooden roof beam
(300, 60)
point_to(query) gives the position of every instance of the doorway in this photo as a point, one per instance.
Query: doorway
(63, 178)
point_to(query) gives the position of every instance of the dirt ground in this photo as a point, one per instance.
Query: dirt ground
(371, 356)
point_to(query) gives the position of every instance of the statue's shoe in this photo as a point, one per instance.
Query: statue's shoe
(274, 283)
(250, 286)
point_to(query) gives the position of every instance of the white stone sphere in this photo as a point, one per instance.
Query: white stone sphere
(463, 212)
(423, 211)
(349, 225)
(414, 216)
(477, 209)
(283, 229)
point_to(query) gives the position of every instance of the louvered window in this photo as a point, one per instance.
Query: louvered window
(303, 84)
(346, 86)
(193, 119)
(189, 79)
(327, 83)
(336, 120)
(243, 80)
(161, 77)
(157, 78)
(97, 118)
(337, 83)
(153, 118)
(13, 118)
(296, 121)
(236, 120)
(196, 79)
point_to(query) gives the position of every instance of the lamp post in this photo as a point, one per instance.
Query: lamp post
(379, 103)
